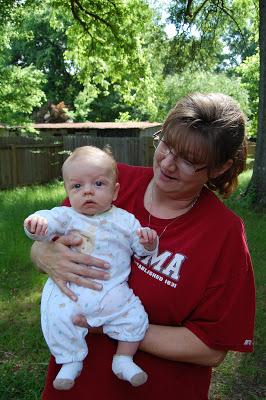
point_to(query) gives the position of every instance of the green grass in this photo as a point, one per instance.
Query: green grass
(23, 352)
(242, 376)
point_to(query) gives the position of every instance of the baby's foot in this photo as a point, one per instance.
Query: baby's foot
(125, 368)
(65, 378)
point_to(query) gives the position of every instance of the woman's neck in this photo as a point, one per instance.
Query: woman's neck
(165, 205)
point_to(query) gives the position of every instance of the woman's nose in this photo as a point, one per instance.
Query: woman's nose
(169, 162)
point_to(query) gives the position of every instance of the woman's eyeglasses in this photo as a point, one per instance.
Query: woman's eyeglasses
(184, 166)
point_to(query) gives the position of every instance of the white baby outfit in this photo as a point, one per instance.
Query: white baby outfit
(112, 237)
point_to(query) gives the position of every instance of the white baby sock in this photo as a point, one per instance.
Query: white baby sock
(125, 368)
(65, 378)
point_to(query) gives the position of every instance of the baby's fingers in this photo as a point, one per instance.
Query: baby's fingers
(152, 235)
(142, 234)
(36, 225)
(27, 223)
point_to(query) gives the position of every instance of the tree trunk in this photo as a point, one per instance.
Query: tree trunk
(257, 186)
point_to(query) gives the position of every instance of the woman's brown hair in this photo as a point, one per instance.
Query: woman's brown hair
(209, 128)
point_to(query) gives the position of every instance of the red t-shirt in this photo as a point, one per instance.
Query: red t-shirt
(202, 279)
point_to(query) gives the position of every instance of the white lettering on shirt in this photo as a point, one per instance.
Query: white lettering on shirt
(165, 263)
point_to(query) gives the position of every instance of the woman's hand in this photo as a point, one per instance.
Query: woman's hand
(64, 265)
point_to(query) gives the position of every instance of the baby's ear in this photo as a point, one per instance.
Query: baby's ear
(116, 190)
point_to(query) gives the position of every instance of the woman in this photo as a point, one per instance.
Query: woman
(199, 290)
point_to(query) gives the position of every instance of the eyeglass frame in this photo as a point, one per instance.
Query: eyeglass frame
(175, 156)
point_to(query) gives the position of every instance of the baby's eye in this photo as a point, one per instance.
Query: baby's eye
(76, 186)
(99, 183)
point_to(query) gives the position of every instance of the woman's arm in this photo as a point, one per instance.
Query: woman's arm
(172, 343)
(180, 344)
(64, 265)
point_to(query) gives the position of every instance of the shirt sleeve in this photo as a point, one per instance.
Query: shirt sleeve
(224, 318)
(57, 220)
(136, 246)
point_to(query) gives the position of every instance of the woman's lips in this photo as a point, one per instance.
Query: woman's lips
(166, 177)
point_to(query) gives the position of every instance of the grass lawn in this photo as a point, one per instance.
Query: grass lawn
(23, 352)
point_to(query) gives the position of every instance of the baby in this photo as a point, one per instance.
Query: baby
(109, 233)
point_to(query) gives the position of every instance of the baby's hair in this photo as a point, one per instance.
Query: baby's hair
(90, 151)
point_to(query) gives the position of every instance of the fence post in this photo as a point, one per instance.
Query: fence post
(146, 142)
(14, 165)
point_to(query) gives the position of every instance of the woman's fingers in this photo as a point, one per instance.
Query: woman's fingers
(70, 240)
(65, 289)
(65, 265)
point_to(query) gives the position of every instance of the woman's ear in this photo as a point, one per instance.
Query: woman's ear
(220, 170)
(116, 190)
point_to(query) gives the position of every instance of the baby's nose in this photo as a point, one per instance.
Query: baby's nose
(88, 189)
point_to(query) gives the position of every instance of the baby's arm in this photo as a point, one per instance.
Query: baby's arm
(44, 225)
(148, 238)
(36, 225)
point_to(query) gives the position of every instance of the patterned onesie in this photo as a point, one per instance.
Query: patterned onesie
(112, 237)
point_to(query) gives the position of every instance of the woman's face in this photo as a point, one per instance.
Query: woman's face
(175, 175)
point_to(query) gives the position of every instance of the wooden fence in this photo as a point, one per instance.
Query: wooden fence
(27, 161)
(131, 150)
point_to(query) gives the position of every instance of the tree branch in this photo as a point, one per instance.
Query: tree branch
(82, 23)
(225, 10)
(192, 15)
(222, 7)
(76, 5)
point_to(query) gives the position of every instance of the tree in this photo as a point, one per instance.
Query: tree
(249, 73)
(110, 47)
(257, 186)
(20, 88)
(208, 27)
(38, 44)
(178, 85)
(88, 49)
(189, 10)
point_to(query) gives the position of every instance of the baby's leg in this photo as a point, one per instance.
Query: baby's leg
(123, 365)
(65, 340)
(126, 321)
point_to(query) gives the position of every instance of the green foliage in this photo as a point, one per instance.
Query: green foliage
(20, 93)
(111, 60)
(179, 85)
(39, 44)
(222, 31)
(218, 36)
(113, 47)
(20, 87)
(249, 72)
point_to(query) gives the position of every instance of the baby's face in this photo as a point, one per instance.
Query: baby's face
(91, 184)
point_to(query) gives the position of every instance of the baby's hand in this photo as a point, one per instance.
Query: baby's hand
(148, 238)
(36, 225)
